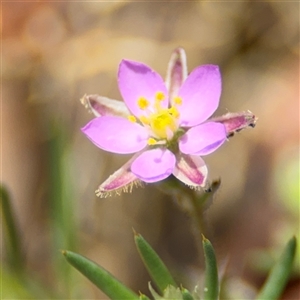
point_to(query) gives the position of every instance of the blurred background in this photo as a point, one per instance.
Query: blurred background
(55, 52)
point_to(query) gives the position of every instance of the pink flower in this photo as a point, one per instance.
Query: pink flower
(164, 123)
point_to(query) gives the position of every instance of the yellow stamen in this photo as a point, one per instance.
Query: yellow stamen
(162, 122)
(177, 100)
(143, 103)
(132, 118)
(151, 141)
(174, 112)
(159, 96)
(144, 120)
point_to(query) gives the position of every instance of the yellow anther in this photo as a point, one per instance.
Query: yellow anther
(177, 100)
(174, 111)
(159, 96)
(132, 118)
(162, 123)
(143, 103)
(151, 141)
(144, 120)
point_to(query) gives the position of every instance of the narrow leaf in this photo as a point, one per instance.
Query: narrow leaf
(155, 266)
(61, 203)
(211, 283)
(13, 238)
(105, 281)
(279, 275)
(13, 287)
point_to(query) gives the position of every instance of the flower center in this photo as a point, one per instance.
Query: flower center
(163, 122)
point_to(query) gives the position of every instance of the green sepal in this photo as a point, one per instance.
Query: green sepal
(279, 274)
(195, 293)
(186, 295)
(155, 266)
(105, 281)
(211, 280)
(170, 293)
(204, 200)
(143, 297)
(154, 294)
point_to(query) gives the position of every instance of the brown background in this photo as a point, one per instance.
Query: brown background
(55, 52)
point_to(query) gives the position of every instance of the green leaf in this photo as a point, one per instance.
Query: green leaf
(21, 285)
(62, 206)
(155, 266)
(62, 197)
(279, 275)
(13, 287)
(211, 280)
(13, 238)
(105, 281)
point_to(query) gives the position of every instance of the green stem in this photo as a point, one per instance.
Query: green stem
(198, 215)
(199, 204)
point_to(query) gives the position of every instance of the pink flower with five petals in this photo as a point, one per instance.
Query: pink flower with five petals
(164, 123)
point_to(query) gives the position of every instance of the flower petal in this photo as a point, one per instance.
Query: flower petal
(138, 80)
(154, 165)
(235, 122)
(200, 95)
(102, 106)
(116, 134)
(121, 180)
(191, 170)
(203, 139)
(176, 73)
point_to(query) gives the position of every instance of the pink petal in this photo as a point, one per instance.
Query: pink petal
(154, 165)
(191, 170)
(138, 80)
(200, 95)
(122, 180)
(176, 73)
(116, 134)
(102, 106)
(203, 139)
(235, 122)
